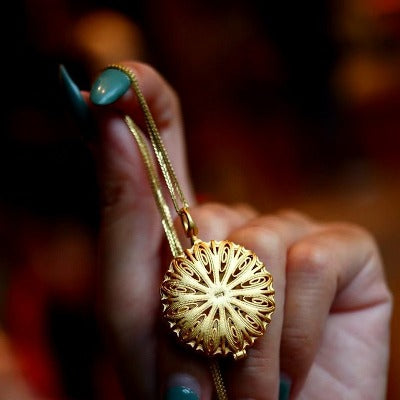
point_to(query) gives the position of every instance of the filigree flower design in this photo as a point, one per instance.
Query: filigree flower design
(218, 297)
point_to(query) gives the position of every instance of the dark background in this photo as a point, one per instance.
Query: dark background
(285, 105)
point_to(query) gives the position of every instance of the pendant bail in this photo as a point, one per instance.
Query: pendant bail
(189, 225)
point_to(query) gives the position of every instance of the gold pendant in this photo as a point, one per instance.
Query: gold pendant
(218, 298)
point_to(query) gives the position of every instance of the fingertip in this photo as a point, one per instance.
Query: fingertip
(285, 384)
(182, 386)
(109, 87)
(77, 102)
(72, 94)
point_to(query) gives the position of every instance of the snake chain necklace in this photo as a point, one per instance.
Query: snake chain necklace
(217, 297)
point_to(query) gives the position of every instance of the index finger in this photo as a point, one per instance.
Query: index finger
(163, 102)
(131, 227)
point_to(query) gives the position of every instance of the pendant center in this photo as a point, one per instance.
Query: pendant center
(219, 295)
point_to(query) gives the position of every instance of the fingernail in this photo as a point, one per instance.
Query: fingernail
(109, 87)
(74, 97)
(78, 105)
(182, 387)
(285, 384)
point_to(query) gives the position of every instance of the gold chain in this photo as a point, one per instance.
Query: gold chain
(218, 380)
(166, 219)
(178, 199)
(164, 162)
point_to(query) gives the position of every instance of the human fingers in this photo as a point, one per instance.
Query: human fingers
(215, 221)
(334, 270)
(131, 233)
(257, 376)
(116, 92)
(128, 202)
(246, 209)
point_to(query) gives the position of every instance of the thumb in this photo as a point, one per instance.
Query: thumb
(123, 179)
(131, 233)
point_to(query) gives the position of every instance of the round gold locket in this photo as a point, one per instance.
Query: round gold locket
(218, 298)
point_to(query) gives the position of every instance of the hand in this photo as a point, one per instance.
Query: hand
(330, 330)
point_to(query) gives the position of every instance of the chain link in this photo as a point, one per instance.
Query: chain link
(218, 380)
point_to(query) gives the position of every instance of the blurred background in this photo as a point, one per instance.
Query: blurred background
(285, 105)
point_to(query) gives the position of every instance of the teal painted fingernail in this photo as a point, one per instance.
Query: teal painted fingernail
(180, 393)
(109, 87)
(182, 387)
(285, 384)
(75, 100)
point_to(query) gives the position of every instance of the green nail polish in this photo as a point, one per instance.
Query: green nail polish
(284, 387)
(180, 393)
(74, 97)
(109, 87)
(77, 104)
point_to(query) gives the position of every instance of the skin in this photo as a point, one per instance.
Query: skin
(330, 330)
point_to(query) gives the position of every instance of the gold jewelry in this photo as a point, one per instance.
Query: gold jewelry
(217, 296)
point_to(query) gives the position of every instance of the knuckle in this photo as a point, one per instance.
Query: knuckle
(264, 238)
(214, 208)
(274, 221)
(292, 214)
(213, 219)
(311, 257)
(112, 193)
(116, 196)
(210, 212)
(258, 359)
(258, 371)
(217, 212)
(298, 344)
(245, 209)
(348, 229)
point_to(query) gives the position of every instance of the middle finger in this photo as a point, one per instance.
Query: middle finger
(269, 237)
